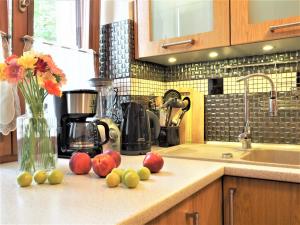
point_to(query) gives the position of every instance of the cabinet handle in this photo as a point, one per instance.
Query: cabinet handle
(194, 216)
(231, 212)
(166, 45)
(273, 28)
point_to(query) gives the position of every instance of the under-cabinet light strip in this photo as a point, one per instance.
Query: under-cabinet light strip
(263, 64)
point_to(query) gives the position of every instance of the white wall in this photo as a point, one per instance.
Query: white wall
(116, 10)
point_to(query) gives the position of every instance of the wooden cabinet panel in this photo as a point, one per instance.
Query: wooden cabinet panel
(243, 31)
(261, 202)
(207, 203)
(5, 145)
(146, 47)
(174, 216)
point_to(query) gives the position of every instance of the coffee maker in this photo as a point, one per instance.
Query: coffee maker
(77, 129)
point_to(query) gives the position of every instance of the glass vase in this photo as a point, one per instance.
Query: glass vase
(37, 140)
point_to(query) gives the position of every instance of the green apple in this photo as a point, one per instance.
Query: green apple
(144, 173)
(40, 176)
(125, 172)
(131, 179)
(24, 179)
(55, 177)
(119, 172)
(112, 179)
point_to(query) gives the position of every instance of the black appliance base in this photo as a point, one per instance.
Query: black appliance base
(139, 152)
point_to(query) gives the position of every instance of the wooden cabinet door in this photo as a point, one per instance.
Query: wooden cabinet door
(204, 207)
(260, 202)
(174, 216)
(216, 34)
(252, 21)
(208, 202)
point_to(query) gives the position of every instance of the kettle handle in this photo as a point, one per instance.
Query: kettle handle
(155, 120)
(106, 129)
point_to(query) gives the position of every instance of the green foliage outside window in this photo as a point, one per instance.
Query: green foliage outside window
(45, 20)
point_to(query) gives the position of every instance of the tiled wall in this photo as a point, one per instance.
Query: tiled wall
(139, 81)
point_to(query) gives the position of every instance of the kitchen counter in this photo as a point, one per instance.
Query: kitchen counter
(86, 199)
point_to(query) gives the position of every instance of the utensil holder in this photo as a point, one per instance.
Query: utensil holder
(168, 136)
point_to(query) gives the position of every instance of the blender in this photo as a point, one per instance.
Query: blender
(108, 111)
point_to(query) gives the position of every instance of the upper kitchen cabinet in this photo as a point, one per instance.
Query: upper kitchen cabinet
(263, 20)
(176, 26)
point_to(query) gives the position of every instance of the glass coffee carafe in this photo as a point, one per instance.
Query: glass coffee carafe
(86, 136)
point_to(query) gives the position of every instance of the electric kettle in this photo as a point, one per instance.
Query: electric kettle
(135, 129)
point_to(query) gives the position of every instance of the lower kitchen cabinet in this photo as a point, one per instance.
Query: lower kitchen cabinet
(261, 202)
(203, 208)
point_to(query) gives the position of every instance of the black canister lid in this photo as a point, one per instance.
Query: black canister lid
(80, 91)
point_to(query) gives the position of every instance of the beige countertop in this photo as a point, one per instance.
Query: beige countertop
(87, 200)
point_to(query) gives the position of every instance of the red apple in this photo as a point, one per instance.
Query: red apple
(153, 161)
(116, 156)
(80, 163)
(103, 164)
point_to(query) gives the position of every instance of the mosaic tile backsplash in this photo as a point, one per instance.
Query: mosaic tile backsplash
(224, 116)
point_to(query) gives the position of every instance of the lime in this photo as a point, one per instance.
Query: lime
(144, 173)
(24, 179)
(40, 176)
(125, 172)
(119, 172)
(131, 179)
(112, 179)
(55, 177)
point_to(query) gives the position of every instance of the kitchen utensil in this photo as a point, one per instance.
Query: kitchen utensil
(174, 103)
(186, 103)
(162, 116)
(168, 115)
(135, 129)
(171, 94)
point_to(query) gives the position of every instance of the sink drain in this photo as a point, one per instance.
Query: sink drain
(227, 155)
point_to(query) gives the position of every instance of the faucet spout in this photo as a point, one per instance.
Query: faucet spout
(273, 108)
(245, 136)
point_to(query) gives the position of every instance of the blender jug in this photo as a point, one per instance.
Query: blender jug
(108, 110)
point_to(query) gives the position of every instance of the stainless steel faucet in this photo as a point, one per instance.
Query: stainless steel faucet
(245, 137)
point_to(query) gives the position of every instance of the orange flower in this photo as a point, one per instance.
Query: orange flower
(14, 73)
(11, 59)
(52, 88)
(54, 69)
(43, 77)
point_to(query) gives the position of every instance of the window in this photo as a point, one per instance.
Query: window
(65, 22)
